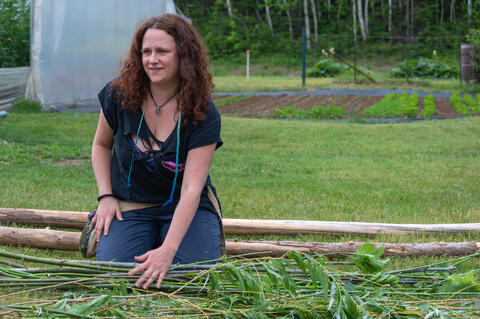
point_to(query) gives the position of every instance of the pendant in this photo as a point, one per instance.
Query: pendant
(158, 109)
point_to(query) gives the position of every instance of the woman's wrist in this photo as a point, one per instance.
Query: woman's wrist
(104, 195)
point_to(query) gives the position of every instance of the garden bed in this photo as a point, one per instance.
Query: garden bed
(260, 106)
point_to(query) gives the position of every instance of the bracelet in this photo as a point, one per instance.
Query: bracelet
(99, 198)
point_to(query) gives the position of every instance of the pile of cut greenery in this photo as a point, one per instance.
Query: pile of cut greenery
(295, 286)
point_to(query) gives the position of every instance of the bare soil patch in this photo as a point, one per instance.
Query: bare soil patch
(260, 106)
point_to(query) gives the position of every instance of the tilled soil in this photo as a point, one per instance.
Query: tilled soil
(259, 106)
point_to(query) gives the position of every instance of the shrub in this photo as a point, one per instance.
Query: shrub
(26, 106)
(14, 33)
(429, 107)
(424, 67)
(325, 68)
(456, 103)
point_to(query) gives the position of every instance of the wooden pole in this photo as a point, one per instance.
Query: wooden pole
(63, 240)
(72, 219)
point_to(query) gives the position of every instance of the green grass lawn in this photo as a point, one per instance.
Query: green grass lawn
(424, 172)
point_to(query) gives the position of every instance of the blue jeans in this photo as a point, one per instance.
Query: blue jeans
(139, 233)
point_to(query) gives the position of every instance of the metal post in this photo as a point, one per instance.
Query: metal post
(248, 64)
(406, 53)
(355, 59)
(460, 58)
(304, 56)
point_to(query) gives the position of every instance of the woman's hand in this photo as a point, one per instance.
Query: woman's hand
(156, 264)
(107, 209)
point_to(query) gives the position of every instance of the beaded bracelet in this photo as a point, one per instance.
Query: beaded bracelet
(99, 198)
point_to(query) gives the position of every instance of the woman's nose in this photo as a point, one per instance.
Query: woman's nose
(153, 58)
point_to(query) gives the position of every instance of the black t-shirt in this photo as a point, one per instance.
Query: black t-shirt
(153, 185)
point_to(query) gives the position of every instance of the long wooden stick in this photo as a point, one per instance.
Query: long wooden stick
(63, 240)
(72, 219)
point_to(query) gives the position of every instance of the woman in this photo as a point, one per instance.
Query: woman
(155, 140)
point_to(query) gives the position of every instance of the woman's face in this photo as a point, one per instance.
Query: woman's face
(159, 58)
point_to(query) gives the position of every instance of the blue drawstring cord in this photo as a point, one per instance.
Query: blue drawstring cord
(134, 149)
(179, 123)
(170, 200)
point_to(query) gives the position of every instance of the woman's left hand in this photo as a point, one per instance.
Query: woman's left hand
(155, 264)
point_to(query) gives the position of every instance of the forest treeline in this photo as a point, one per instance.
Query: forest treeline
(229, 27)
(271, 26)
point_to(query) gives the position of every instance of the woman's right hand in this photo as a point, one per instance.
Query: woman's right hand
(107, 209)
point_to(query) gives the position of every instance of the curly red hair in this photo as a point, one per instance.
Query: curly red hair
(195, 85)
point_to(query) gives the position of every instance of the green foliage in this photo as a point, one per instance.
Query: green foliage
(425, 68)
(394, 105)
(317, 112)
(429, 107)
(368, 260)
(467, 282)
(473, 37)
(14, 33)
(230, 100)
(472, 103)
(326, 68)
(458, 105)
(26, 106)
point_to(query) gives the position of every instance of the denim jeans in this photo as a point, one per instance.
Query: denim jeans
(139, 233)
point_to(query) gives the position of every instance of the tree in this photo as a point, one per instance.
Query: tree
(14, 33)
(315, 23)
(452, 11)
(269, 19)
(290, 29)
(229, 8)
(389, 16)
(307, 23)
(361, 21)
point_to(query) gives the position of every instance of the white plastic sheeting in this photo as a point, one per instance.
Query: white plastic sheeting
(77, 46)
(12, 85)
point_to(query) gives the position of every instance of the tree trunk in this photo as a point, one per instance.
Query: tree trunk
(469, 12)
(229, 8)
(307, 23)
(269, 19)
(259, 18)
(354, 15)
(412, 15)
(339, 10)
(63, 240)
(71, 219)
(290, 29)
(360, 20)
(366, 17)
(452, 12)
(389, 16)
(315, 23)
(442, 11)
(279, 248)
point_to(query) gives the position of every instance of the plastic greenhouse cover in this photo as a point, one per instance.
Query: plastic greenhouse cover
(12, 85)
(78, 46)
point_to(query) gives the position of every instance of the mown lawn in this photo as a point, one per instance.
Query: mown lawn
(424, 172)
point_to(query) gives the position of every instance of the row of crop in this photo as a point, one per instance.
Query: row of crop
(394, 105)
(317, 112)
(466, 107)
